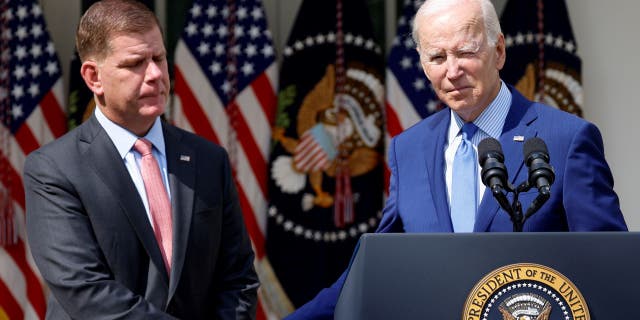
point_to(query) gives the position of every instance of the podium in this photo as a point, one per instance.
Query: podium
(493, 276)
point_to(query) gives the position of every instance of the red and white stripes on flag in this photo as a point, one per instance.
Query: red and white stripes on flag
(315, 150)
(408, 92)
(31, 115)
(400, 111)
(225, 91)
(198, 109)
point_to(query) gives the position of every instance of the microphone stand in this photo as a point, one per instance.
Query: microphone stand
(510, 208)
(494, 176)
(514, 209)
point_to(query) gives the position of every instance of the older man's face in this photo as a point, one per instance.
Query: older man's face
(454, 53)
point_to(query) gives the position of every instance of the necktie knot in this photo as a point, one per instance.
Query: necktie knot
(468, 130)
(143, 146)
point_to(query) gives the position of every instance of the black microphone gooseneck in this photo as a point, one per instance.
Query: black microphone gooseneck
(494, 175)
(541, 174)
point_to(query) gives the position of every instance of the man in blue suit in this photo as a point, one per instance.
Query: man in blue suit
(462, 50)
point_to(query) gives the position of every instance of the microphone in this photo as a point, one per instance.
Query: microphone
(494, 173)
(541, 174)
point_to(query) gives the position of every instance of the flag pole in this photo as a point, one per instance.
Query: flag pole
(343, 205)
(541, 40)
(7, 232)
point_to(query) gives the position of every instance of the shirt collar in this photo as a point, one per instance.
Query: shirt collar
(491, 120)
(124, 139)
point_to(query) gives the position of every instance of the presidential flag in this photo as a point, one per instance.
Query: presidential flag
(31, 114)
(326, 167)
(542, 60)
(225, 82)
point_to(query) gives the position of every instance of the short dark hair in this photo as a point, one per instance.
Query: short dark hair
(107, 18)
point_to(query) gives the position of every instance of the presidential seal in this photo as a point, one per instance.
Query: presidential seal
(525, 291)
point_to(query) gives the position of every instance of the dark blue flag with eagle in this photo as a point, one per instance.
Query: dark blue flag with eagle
(326, 166)
(542, 60)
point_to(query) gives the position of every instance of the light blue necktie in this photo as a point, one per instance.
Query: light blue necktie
(464, 185)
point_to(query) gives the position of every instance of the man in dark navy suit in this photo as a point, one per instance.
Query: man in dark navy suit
(123, 232)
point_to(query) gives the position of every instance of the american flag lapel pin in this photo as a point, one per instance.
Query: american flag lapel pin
(185, 158)
(518, 138)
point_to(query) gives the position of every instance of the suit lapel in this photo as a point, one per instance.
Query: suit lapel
(517, 124)
(433, 148)
(108, 165)
(181, 164)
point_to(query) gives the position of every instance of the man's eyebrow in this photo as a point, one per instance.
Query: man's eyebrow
(470, 46)
(432, 51)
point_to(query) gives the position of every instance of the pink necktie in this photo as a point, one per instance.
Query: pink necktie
(159, 204)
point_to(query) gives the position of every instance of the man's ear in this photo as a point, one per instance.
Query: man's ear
(91, 75)
(501, 52)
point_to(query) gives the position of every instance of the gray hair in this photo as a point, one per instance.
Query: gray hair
(489, 16)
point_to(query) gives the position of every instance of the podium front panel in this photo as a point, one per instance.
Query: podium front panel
(430, 276)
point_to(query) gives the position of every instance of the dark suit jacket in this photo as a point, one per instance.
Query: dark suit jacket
(92, 241)
(582, 197)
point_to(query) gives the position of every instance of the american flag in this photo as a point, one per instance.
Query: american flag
(410, 97)
(225, 84)
(30, 110)
(409, 94)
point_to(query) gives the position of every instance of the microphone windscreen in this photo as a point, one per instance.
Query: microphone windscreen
(489, 146)
(534, 145)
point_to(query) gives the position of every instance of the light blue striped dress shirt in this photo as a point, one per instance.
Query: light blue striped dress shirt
(490, 123)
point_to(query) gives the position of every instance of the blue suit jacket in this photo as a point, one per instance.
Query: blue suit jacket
(582, 197)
